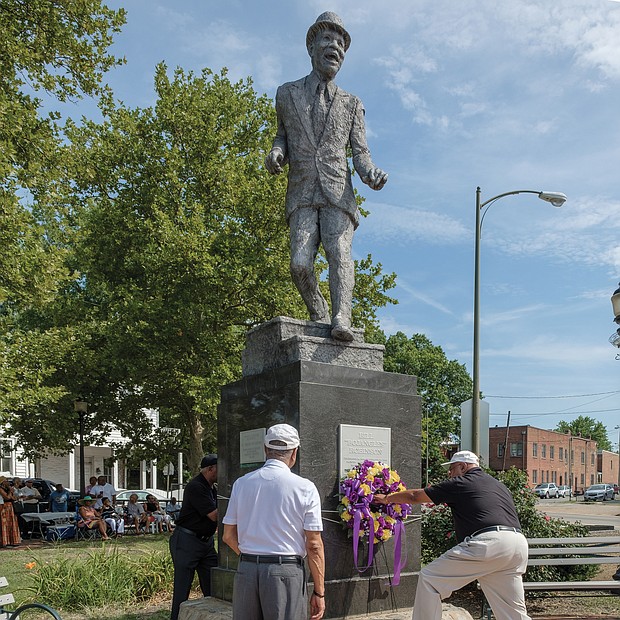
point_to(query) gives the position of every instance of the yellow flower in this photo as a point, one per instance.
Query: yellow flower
(346, 516)
(397, 508)
(386, 535)
(346, 501)
(390, 520)
(362, 533)
(401, 487)
(30, 565)
(351, 473)
(364, 489)
(376, 525)
(369, 477)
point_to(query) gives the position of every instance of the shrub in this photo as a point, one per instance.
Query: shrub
(100, 577)
(438, 533)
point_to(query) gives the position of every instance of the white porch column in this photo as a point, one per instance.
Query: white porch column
(72, 458)
(153, 474)
(143, 474)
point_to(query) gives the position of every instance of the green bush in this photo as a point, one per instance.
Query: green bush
(438, 533)
(100, 577)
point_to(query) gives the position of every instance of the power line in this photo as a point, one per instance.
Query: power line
(531, 415)
(542, 397)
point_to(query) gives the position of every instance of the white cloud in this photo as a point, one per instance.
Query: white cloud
(404, 225)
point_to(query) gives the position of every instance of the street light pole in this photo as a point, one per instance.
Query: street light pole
(617, 428)
(557, 199)
(81, 408)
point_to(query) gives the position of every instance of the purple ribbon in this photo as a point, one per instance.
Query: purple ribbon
(357, 518)
(399, 540)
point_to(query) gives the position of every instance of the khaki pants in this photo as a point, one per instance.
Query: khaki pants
(496, 559)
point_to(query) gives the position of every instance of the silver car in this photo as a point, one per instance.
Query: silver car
(598, 491)
(547, 490)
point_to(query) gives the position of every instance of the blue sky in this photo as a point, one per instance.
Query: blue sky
(505, 95)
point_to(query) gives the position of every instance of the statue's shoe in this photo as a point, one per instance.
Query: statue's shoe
(342, 332)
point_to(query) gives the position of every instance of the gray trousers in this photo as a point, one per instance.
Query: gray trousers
(269, 592)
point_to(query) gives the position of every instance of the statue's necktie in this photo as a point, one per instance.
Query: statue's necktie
(319, 109)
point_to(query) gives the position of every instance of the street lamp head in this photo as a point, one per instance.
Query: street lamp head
(80, 406)
(557, 199)
(615, 303)
(614, 339)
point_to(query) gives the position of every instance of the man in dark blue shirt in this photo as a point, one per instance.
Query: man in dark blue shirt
(191, 544)
(491, 547)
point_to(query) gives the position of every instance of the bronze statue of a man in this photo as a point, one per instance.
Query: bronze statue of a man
(316, 122)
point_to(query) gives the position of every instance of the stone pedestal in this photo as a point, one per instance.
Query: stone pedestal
(316, 398)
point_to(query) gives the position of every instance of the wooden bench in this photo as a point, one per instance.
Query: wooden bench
(559, 552)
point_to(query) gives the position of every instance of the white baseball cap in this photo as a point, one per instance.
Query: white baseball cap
(463, 456)
(284, 433)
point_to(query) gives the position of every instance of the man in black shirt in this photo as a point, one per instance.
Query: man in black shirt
(491, 547)
(191, 544)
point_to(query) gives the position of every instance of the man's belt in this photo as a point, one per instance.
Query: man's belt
(192, 533)
(495, 528)
(272, 559)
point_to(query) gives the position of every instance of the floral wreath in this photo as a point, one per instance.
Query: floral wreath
(358, 488)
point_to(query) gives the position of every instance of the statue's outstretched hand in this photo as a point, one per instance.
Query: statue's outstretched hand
(273, 161)
(376, 178)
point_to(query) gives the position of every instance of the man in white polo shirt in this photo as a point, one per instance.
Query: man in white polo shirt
(273, 521)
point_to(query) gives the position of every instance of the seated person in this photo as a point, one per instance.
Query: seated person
(173, 509)
(155, 512)
(113, 520)
(90, 517)
(135, 514)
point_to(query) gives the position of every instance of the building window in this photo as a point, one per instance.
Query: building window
(561, 453)
(572, 456)
(552, 453)
(6, 462)
(535, 476)
(500, 450)
(534, 449)
(583, 458)
(591, 478)
(543, 451)
(516, 449)
(554, 476)
(592, 459)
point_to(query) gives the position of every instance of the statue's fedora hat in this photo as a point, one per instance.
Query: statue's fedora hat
(328, 20)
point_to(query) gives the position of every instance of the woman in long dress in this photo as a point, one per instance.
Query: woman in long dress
(9, 527)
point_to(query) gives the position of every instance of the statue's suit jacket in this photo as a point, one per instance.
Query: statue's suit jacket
(321, 160)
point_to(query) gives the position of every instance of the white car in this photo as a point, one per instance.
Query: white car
(547, 490)
(123, 496)
(565, 491)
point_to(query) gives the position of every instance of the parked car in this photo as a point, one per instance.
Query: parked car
(565, 491)
(598, 491)
(123, 496)
(547, 490)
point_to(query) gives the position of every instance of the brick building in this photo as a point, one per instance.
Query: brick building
(546, 456)
(608, 464)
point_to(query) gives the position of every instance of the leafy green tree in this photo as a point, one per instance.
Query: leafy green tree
(58, 48)
(178, 246)
(585, 426)
(443, 385)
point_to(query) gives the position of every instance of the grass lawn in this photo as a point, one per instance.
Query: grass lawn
(14, 565)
